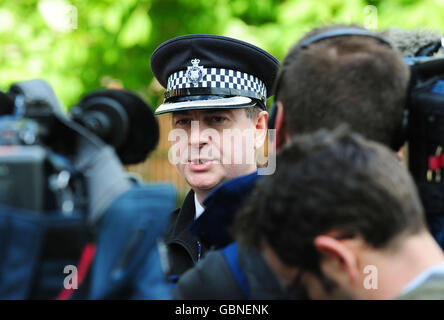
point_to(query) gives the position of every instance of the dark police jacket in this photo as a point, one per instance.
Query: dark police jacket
(188, 240)
(183, 248)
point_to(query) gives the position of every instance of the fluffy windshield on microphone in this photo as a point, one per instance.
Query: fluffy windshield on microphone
(411, 42)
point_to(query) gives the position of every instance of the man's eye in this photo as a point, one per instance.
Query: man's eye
(183, 122)
(217, 119)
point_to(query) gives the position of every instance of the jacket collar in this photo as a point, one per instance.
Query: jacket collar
(181, 233)
(186, 214)
(220, 208)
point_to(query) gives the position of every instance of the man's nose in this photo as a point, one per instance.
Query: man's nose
(198, 138)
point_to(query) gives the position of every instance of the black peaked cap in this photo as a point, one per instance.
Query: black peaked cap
(214, 52)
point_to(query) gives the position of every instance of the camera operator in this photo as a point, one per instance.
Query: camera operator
(85, 230)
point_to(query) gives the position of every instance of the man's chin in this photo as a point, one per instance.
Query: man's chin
(203, 183)
(203, 186)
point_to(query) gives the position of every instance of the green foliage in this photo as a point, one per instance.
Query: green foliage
(112, 41)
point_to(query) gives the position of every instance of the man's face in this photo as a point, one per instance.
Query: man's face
(333, 284)
(220, 145)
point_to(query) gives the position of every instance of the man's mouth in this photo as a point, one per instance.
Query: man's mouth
(200, 164)
(199, 161)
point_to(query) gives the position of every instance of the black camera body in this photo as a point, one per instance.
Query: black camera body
(425, 136)
(426, 118)
(25, 180)
(35, 174)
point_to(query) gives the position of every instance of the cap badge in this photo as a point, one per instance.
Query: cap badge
(195, 73)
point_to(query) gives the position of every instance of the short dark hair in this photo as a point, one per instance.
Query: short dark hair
(352, 79)
(330, 181)
(253, 111)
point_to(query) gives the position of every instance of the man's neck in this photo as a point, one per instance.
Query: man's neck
(396, 270)
(201, 195)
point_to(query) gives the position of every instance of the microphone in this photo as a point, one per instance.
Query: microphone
(121, 119)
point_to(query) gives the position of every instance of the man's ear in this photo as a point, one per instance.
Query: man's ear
(402, 155)
(261, 126)
(281, 129)
(338, 260)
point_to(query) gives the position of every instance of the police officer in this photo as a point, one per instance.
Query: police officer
(216, 90)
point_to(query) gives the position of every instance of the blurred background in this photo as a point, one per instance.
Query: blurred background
(80, 46)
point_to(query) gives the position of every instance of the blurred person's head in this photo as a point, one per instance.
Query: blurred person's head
(337, 207)
(355, 79)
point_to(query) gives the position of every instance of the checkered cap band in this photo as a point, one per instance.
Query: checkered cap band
(218, 78)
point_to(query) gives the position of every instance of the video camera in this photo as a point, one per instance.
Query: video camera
(64, 194)
(425, 136)
(41, 148)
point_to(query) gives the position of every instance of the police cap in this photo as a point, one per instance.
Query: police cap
(202, 71)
